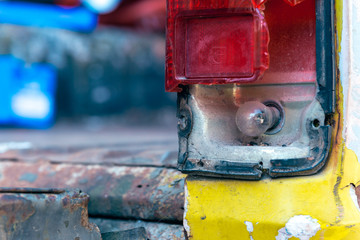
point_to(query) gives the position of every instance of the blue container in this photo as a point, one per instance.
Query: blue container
(27, 93)
(47, 15)
(9, 69)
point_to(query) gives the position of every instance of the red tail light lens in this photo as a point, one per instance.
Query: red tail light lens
(223, 47)
(215, 42)
(293, 2)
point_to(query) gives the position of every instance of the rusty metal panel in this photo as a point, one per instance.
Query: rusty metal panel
(156, 155)
(154, 230)
(149, 193)
(45, 214)
(131, 234)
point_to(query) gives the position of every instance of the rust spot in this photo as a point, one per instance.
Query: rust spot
(52, 198)
(37, 213)
(65, 201)
(75, 201)
(84, 218)
(85, 221)
(114, 188)
(15, 208)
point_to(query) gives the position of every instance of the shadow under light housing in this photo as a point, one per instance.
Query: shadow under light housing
(241, 115)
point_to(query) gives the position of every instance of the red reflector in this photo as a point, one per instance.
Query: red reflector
(215, 42)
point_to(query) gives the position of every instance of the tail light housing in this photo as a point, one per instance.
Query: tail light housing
(215, 42)
(255, 85)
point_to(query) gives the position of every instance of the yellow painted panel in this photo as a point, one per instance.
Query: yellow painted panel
(218, 209)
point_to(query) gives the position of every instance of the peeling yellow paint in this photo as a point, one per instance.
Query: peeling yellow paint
(339, 22)
(217, 209)
(271, 203)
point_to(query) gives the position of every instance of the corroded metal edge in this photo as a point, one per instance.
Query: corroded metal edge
(154, 230)
(52, 214)
(148, 193)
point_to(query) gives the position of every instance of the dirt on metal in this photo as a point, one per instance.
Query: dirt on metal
(31, 214)
(149, 193)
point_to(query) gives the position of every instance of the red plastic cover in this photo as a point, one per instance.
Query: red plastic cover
(215, 42)
(294, 2)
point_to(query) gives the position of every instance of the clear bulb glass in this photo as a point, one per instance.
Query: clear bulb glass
(254, 118)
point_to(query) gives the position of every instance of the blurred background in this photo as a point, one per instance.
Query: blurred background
(82, 92)
(83, 64)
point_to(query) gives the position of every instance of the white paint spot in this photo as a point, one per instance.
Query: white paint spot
(74, 177)
(354, 196)
(249, 228)
(119, 171)
(301, 226)
(7, 146)
(185, 223)
(344, 60)
(349, 65)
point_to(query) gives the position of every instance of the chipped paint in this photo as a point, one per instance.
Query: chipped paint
(353, 196)
(185, 222)
(75, 176)
(349, 66)
(249, 228)
(342, 32)
(29, 177)
(301, 226)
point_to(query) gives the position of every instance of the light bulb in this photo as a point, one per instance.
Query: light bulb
(254, 118)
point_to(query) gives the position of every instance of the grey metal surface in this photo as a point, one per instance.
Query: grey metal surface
(131, 234)
(44, 214)
(154, 230)
(214, 141)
